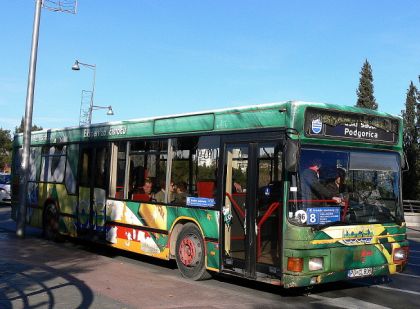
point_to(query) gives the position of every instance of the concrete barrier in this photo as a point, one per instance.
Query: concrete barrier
(412, 219)
(412, 213)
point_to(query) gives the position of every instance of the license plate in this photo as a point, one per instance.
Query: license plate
(360, 272)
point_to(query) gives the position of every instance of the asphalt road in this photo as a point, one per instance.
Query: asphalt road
(73, 274)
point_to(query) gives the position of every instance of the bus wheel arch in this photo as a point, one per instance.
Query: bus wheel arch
(50, 220)
(189, 251)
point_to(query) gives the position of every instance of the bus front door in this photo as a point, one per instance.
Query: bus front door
(252, 209)
(92, 189)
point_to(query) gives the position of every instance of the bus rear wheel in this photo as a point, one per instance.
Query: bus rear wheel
(190, 253)
(50, 223)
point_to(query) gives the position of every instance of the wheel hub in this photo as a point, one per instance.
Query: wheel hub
(190, 250)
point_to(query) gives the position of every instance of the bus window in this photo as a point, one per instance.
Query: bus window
(34, 163)
(85, 173)
(71, 167)
(118, 162)
(205, 166)
(53, 163)
(147, 161)
(236, 179)
(269, 204)
(194, 168)
(101, 168)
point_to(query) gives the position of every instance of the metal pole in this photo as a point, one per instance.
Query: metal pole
(23, 184)
(93, 93)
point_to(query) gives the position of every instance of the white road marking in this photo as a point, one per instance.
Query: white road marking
(346, 302)
(407, 275)
(394, 289)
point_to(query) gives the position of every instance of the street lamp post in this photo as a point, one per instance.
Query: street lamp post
(76, 67)
(92, 107)
(23, 184)
(110, 112)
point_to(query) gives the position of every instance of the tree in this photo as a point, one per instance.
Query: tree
(5, 148)
(20, 128)
(410, 144)
(365, 96)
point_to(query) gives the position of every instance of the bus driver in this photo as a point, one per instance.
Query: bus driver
(312, 188)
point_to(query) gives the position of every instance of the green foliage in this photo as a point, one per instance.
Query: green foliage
(19, 129)
(411, 116)
(5, 148)
(365, 97)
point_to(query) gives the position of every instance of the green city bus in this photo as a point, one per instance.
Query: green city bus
(221, 191)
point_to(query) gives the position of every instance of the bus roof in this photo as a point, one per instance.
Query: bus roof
(269, 115)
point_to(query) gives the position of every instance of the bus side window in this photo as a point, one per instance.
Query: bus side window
(195, 164)
(117, 168)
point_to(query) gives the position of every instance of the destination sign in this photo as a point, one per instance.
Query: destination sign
(327, 123)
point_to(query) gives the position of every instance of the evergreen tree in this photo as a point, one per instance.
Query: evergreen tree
(411, 119)
(365, 96)
(19, 129)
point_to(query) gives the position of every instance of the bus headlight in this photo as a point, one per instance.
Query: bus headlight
(316, 263)
(400, 255)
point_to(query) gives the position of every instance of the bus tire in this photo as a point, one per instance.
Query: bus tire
(190, 253)
(50, 223)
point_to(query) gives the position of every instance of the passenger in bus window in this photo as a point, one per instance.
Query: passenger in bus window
(147, 187)
(237, 188)
(160, 195)
(181, 193)
(144, 193)
(312, 188)
(337, 186)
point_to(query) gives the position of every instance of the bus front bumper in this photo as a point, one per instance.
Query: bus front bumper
(291, 280)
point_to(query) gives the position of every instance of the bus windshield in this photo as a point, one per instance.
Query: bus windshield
(334, 187)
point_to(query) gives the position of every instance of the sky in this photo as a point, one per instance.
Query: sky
(157, 58)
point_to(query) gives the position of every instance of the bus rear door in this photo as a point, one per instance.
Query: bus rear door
(93, 182)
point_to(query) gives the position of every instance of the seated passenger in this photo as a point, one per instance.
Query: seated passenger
(181, 193)
(160, 195)
(337, 186)
(237, 188)
(144, 193)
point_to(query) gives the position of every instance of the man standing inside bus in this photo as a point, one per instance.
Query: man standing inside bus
(312, 189)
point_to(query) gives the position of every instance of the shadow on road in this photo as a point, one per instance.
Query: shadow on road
(37, 274)
(31, 286)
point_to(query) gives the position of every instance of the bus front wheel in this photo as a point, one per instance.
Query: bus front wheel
(190, 253)
(50, 223)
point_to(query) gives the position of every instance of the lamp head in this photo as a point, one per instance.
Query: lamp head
(110, 111)
(75, 66)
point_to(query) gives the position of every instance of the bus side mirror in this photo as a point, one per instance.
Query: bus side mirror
(292, 153)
